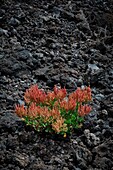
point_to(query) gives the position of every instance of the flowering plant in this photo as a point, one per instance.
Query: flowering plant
(54, 111)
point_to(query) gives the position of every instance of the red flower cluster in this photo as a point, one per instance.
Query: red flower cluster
(83, 110)
(46, 108)
(81, 95)
(34, 94)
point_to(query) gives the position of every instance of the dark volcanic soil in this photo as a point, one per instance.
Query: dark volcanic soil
(56, 42)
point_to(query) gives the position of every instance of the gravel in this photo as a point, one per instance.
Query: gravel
(68, 43)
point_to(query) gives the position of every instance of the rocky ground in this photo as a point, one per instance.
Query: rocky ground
(52, 42)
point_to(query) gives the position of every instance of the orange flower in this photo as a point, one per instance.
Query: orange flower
(33, 110)
(49, 97)
(45, 109)
(59, 125)
(68, 105)
(63, 104)
(88, 94)
(21, 111)
(71, 104)
(60, 93)
(45, 112)
(83, 110)
(81, 95)
(33, 94)
(55, 113)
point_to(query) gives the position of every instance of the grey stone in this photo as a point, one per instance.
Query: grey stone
(10, 99)
(14, 22)
(65, 168)
(39, 55)
(24, 54)
(21, 102)
(1, 56)
(93, 67)
(3, 32)
(22, 159)
(92, 140)
(99, 97)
